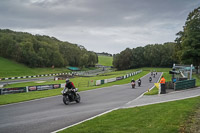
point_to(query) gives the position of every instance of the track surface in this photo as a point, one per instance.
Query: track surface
(50, 114)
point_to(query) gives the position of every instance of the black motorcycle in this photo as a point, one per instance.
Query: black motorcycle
(139, 83)
(70, 95)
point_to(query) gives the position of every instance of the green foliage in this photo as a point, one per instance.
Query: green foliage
(43, 51)
(157, 118)
(149, 56)
(105, 60)
(11, 68)
(188, 40)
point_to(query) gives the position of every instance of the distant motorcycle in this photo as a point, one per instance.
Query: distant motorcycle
(70, 95)
(150, 79)
(139, 82)
(133, 84)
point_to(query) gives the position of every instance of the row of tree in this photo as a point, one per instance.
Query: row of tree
(43, 51)
(185, 49)
(156, 55)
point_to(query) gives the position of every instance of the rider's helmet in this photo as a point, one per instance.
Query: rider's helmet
(67, 80)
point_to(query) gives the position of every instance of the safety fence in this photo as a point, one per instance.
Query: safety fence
(55, 74)
(29, 88)
(104, 81)
(36, 76)
(55, 86)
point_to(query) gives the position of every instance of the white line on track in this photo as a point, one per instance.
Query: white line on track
(85, 120)
(163, 101)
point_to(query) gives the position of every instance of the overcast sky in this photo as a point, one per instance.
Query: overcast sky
(99, 25)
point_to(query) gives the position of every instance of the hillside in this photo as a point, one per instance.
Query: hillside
(10, 68)
(43, 51)
(105, 60)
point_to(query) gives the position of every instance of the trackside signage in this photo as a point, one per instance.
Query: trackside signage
(12, 90)
(28, 88)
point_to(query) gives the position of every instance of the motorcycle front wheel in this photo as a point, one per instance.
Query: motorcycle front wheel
(66, 100)
(78, 98)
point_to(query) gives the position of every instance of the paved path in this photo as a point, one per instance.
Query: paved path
(172, 96)
(50, 114)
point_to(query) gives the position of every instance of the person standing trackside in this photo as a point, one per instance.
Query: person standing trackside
(162, 84)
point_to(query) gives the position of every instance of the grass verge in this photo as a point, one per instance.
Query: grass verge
(158, 118)
(153, 91)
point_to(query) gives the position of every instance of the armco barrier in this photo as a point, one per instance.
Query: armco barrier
(99, 82)
(43, 75)
(111, 80)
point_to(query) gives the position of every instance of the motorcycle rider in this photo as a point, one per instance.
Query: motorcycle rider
(139, 82)
(70, 85)
(150, 79)
(133, 83)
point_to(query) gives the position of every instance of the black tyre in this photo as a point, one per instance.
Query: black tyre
(78, 98)
(66, 100)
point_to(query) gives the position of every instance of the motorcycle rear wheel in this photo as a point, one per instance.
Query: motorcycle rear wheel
(66, 100)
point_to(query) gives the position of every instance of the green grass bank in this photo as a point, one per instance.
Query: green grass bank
(9, 68)
(105, 60)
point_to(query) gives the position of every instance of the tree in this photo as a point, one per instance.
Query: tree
(190, 39)
(43, 51)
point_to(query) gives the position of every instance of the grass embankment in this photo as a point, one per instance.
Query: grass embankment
(105, 60)
(158, 118)
(10, 68)
(14, 98)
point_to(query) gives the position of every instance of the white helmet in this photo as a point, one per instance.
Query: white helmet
(67, 80)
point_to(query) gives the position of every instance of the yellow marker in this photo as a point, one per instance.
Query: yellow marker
(157, 85)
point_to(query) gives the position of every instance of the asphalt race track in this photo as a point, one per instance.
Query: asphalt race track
(50, 114)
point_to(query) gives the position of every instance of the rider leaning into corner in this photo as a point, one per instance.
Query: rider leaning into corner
(70, 85)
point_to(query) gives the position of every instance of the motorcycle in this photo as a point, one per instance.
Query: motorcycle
(70, 95)
(133, 84)
(150, 79)
(139, 83)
